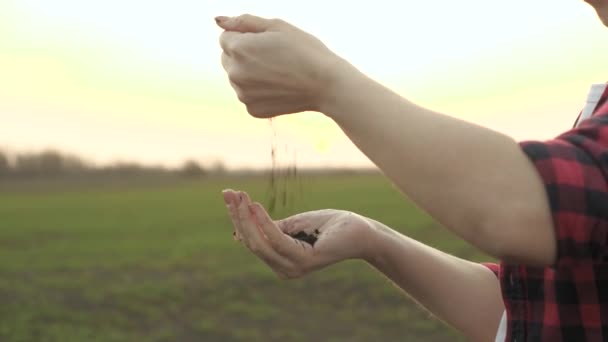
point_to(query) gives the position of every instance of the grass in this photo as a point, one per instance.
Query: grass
(158, 263)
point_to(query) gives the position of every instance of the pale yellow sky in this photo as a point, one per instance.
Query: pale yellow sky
(141, 80)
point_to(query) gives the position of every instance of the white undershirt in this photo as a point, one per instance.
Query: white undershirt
(594, 96)
(501, 335)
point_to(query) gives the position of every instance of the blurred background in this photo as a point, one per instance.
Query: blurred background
(118, 130)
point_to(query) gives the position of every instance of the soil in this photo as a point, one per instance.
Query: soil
(282, 178)
(309, 238)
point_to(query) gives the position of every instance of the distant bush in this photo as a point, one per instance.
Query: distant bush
(192, 169)
(4, 165)
(53, 164)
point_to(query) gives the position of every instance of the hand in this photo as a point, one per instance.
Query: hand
(274, 67)
(340, 235)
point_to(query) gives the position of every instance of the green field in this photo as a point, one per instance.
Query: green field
(137, 262)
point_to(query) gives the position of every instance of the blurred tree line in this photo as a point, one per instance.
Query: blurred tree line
(53, 164)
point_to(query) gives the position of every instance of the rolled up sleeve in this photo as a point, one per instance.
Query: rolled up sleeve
(492, 267)
(576, 189)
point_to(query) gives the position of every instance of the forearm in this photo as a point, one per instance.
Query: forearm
(474, 181)
(461, 293)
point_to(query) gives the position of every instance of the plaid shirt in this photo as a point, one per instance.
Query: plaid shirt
(568, 301)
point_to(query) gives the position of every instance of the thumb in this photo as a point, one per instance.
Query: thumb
(245, 23)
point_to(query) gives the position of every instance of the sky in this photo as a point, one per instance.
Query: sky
(142, 80)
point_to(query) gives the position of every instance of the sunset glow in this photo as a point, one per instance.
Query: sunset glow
(134, 80)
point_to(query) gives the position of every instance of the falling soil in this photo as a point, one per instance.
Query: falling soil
(284, 181)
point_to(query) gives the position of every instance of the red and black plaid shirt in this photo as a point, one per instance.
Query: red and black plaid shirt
(568, 301)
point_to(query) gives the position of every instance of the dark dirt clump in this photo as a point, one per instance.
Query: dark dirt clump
(309, 238)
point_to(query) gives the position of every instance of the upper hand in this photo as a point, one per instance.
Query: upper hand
(341, 235)
(274, 67)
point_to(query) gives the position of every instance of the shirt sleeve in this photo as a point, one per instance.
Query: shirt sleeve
(576, 189)
(492, 267)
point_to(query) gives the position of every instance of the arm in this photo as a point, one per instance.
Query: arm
(474, 181)
(439, 161)
(463, 294)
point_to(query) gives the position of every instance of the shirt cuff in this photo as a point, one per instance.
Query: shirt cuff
(492, 267)
(576, 191)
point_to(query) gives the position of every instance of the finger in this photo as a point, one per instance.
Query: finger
(226, 62)
(288, 225)
(257, 91)
(302, 221)
(240, 197)
(244, 201)
(293, 226)
(283, 268)
(235, 222)
(280, 242)
(256, 242)
(240, 94)
(277, 107)
(229, 196)
(247, 202)
(283, 225)
(230, 200)
(228, 41)
(245, 197)
(245, 23)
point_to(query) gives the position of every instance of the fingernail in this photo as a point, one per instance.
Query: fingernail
(225, 195)
(220, 19)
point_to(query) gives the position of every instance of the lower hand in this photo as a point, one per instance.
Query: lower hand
(340, 235)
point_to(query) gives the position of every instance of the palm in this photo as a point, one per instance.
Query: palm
(336, 232)
(336, 235)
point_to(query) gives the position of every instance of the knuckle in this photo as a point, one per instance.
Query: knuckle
(277, 22)
(305, 266)
(225, 41)
(246, 243)
(230, 44)
(242, 96)
(245, 16)
(255, 111)
(237, 75)
(224, 58)
(293, 274)
(234, 77)
(254, 248)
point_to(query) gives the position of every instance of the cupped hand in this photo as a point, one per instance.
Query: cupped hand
(340, 235)
(274, 67)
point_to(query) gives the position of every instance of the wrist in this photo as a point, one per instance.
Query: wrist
(373, 238)
(338, 75)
